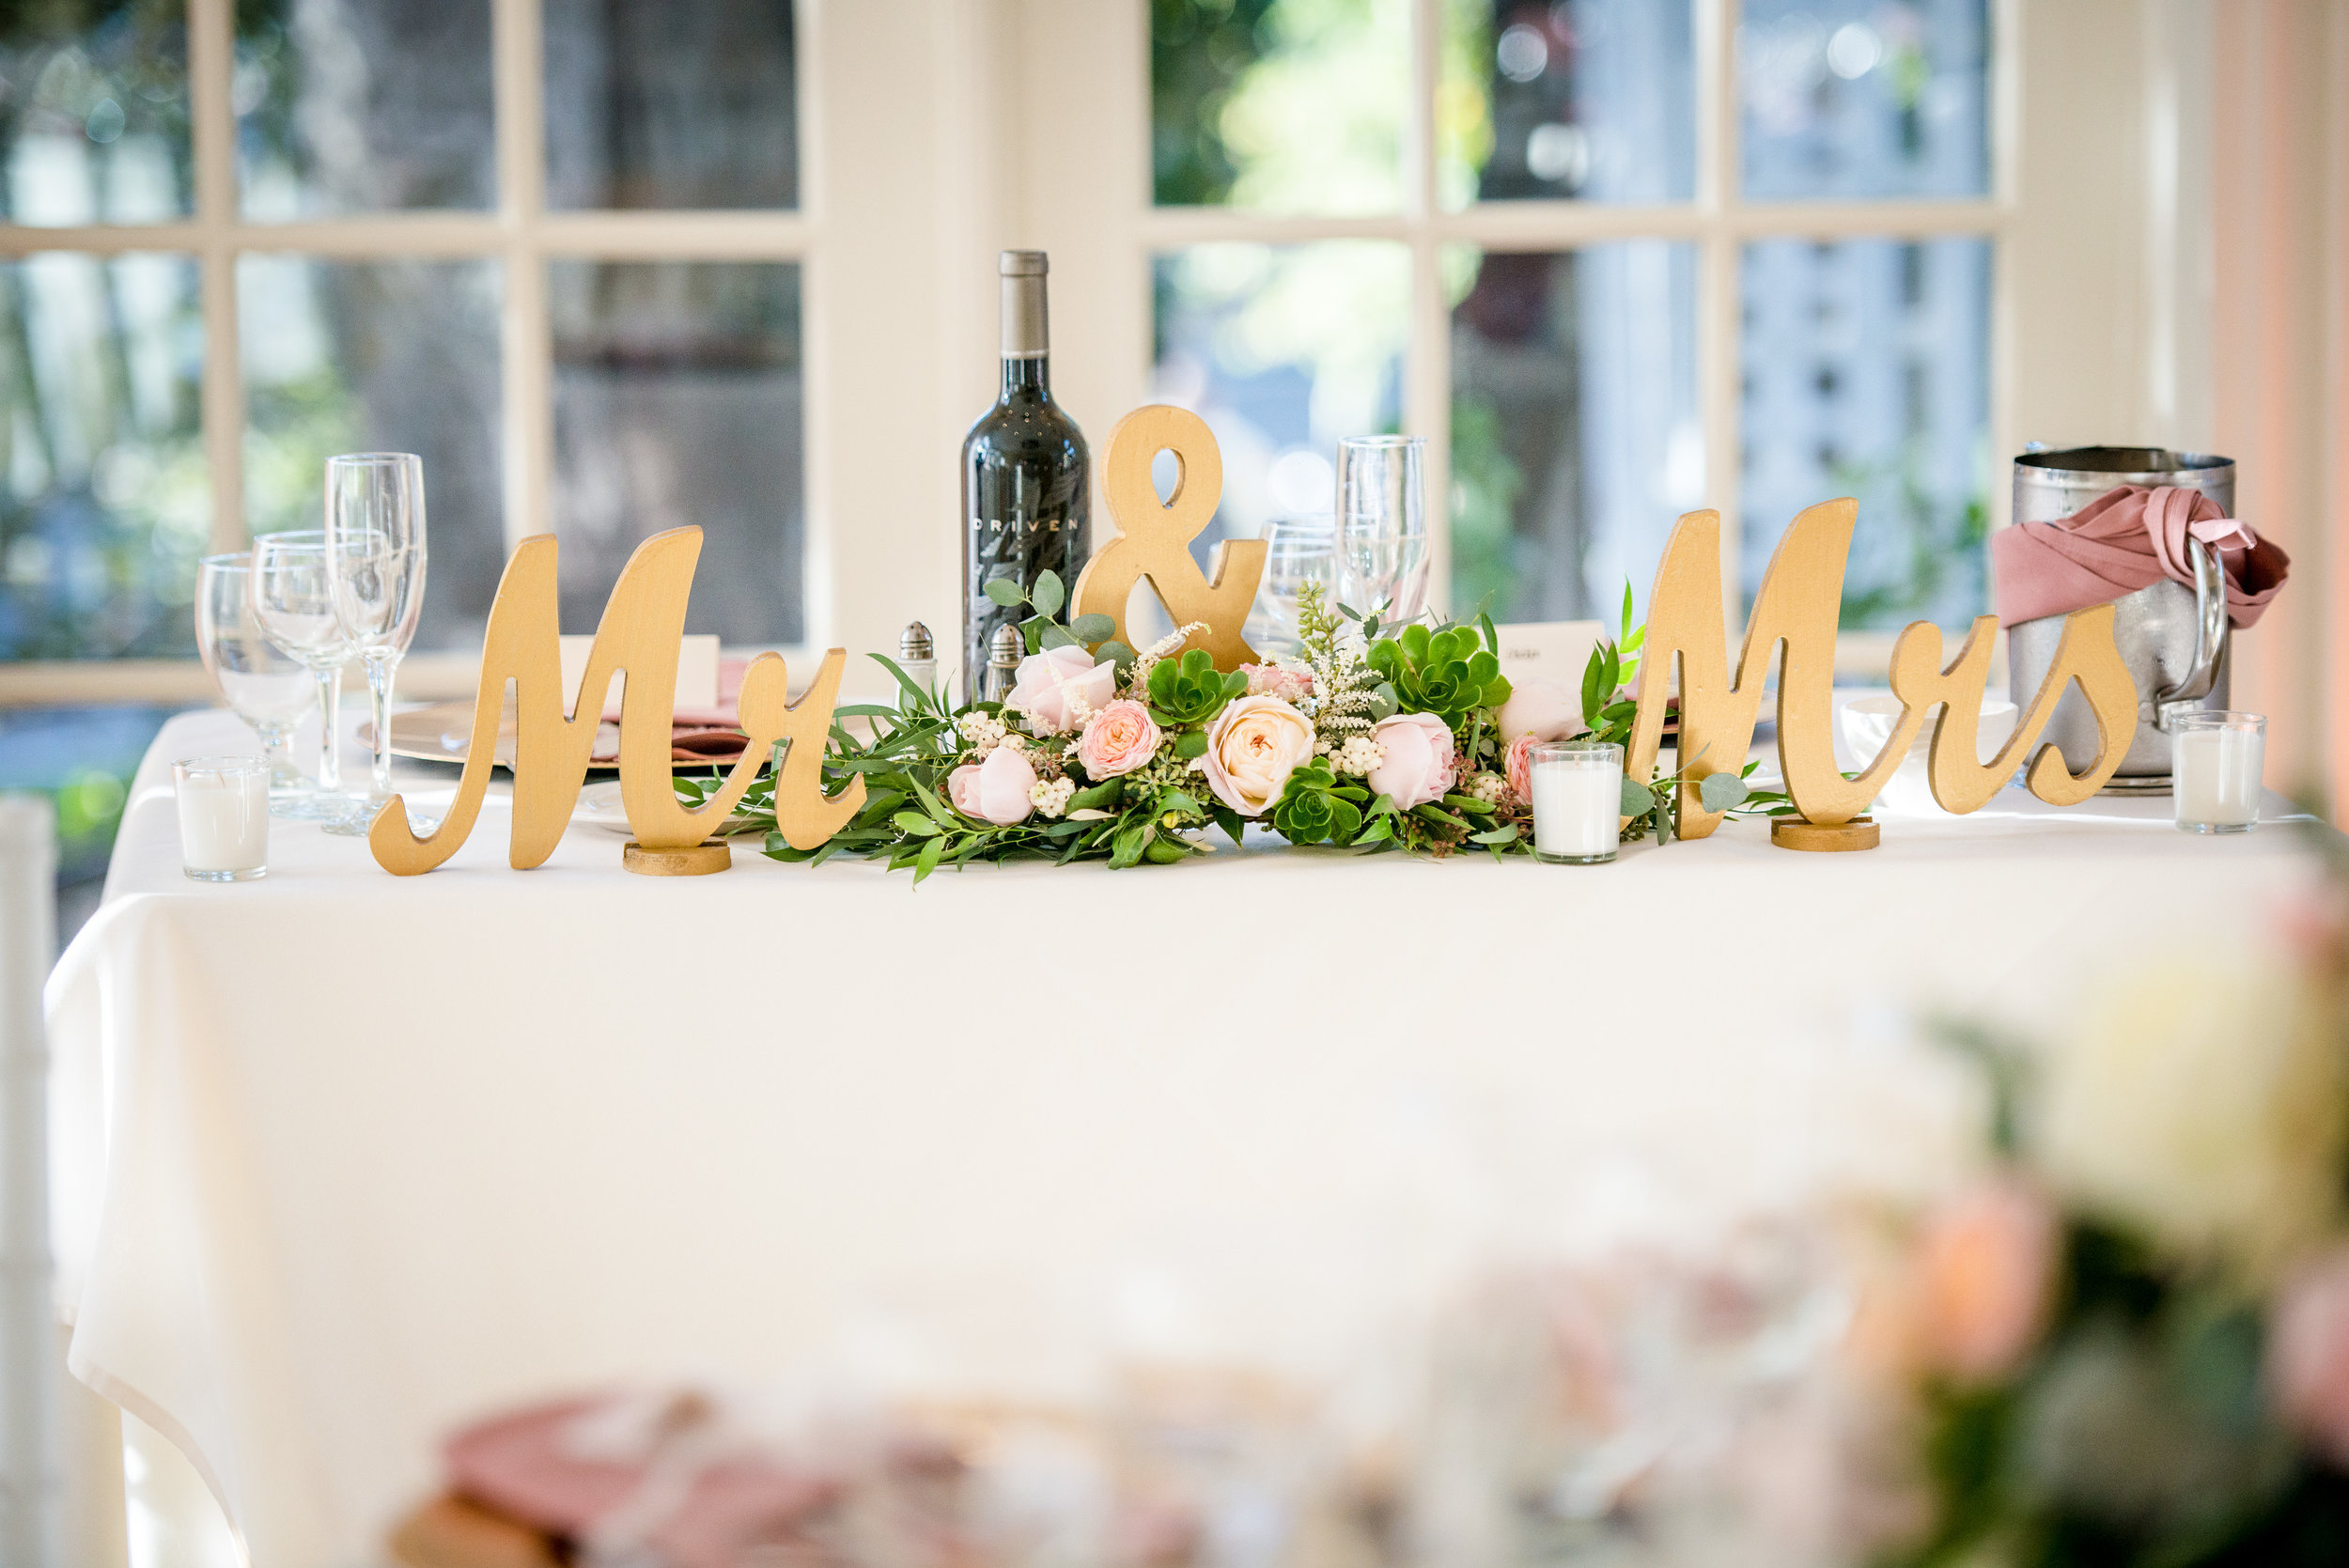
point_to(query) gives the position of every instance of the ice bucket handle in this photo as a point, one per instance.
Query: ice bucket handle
(2210, 640)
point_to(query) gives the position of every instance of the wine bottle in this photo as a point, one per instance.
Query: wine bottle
(1026, 477)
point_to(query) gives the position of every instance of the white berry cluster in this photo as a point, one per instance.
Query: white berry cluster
(984, 732)
(1051, 796)
(1488, 788)
(1359, 754)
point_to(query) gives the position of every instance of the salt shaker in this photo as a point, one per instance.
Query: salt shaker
(1003, 662)
(917, 656)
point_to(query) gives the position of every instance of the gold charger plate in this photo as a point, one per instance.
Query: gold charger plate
(440, 732)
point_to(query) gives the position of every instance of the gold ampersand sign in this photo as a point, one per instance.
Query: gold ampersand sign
(643, 624)
(1154, 538)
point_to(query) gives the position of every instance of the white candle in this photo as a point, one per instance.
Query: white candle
(224, 817)
(2215, 774)
(1577, 802)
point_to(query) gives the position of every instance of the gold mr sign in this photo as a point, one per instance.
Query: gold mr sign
(1801, 595)
(643, 623)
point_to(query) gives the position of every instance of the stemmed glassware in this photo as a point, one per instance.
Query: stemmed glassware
(293, 602)
(1382, 524)
(260, 685)
(374, 559)
(1298, 550)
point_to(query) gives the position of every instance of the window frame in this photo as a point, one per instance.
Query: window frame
(1717, 220)
(520, 234)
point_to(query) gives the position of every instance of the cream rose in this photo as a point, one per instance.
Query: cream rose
(1252, 748)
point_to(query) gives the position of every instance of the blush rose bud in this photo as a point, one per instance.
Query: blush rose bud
(996, 790)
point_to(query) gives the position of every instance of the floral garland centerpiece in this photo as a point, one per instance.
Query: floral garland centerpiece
(1366, 739)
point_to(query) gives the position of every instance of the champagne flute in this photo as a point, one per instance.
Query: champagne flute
(376, 558)
(260, 685)
(1382, 525)
(293, 602)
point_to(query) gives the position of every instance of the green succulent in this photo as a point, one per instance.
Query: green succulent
(1188, 691)
(1447, 672)
(1311, 811)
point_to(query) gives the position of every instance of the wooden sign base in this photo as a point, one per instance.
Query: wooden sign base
(1793, 832)
(698, 860)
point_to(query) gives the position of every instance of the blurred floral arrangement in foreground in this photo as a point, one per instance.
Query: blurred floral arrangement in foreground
(2125, 1339)
(2131, 1339)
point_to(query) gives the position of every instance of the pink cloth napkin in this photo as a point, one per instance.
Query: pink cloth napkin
(683, 1489)
(695, 733)
(2122, 541)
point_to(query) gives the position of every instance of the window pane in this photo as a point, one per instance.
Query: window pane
(1280, 106)
(363, 106)
(1576, 438)
(94, 112)
(1863, 97)
(379, 356)
(689, 103)
(105, 504)
(1593, 100)
(676, 401)
(1867, 372)
(1283, 349)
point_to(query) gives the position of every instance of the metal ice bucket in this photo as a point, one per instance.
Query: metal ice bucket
(2173, 638)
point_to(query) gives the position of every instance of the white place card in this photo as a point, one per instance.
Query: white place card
(1554, 651)
(696, 670)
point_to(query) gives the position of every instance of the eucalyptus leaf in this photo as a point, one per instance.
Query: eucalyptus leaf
(1049, 595)
(1006, 592)
(1116, 652)
(1095, 627)
(1383, 702)
(1058, 636)
(1721, 791)
(1638, 799)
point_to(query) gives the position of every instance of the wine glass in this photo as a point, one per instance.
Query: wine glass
(376, 558)
(1298, 550)
(260, 685)
(293, 602)
(1382, 525)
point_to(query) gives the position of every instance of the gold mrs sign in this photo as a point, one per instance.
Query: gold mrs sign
(643, 624)
(1802, 595)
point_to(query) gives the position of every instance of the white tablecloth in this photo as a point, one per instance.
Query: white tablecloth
(343, 1159)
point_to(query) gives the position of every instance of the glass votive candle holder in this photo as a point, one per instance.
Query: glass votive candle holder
(224, 817)
(2215, 763)
(1578, 800)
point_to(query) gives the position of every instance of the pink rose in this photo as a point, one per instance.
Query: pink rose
(995, 790)
(1118, 738)
(1046, 681)
(1985, 1270)
(1252, 747)
(1270, 680)
(1541, 708)
(1519, 766)
(2308, 1354)
(1420, 765)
